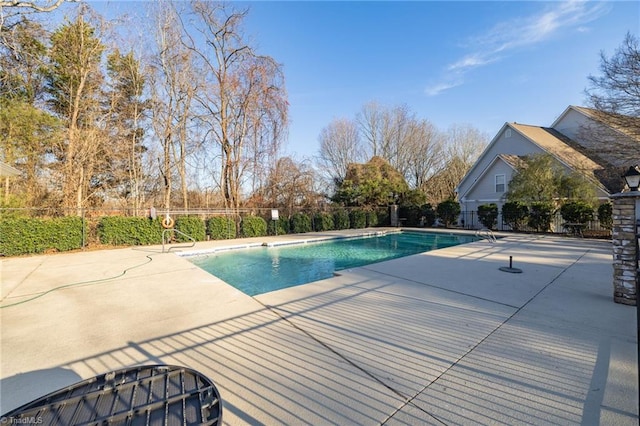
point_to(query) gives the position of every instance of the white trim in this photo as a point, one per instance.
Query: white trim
(480, 158)
(484, 172)
(504, 183)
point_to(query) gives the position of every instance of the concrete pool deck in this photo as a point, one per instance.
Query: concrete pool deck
(442, 337)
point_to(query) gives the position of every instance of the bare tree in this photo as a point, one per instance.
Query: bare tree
(615, 94)
(37, 6)
(174, 83)
(13, 8)
(125, 115)
(339, 146)
(244, 97)
(463, 144)
(422, 153)
(290, 186)
(617, 89)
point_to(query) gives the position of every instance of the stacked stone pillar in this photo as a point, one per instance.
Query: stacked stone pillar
(626, 216)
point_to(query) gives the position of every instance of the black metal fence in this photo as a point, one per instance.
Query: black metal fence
(469, 220)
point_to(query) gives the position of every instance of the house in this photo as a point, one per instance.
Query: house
(600, 146)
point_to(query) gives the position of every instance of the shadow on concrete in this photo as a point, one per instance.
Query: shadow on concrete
(33, 385)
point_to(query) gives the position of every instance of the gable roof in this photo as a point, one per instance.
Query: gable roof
(625, 125)
(511, 160)
(562, 148)
(7, 170)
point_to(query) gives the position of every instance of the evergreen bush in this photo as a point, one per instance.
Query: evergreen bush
(605, 215)
(448, 211)
(515, 214)
(300, 223)
(281, 225)
(132, 231)
(540, 216)
(384, 219)
(488, 215)
(192, 226)
(253, 226)
(429, 215)
(341, 219)
(410, 214)
(576, 212)
(357, 219)
(372, 218)
(23, 235)
(323, 222)
(221, 228)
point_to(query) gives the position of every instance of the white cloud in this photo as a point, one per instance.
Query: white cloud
(436, 89)
(510, 36)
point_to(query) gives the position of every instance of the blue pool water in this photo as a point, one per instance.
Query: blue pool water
(263, 269)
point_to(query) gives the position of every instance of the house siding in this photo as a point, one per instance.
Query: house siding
(612, 146)
(516, 145)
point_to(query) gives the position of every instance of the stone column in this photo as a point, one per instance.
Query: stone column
(626, 217)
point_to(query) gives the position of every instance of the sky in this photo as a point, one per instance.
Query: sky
(478, 63)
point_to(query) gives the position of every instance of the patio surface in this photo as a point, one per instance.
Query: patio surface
(443, 337)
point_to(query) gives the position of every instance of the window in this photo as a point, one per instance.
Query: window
(507, 133)
(500, 183)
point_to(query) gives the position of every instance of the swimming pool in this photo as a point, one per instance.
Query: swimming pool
(263, 269)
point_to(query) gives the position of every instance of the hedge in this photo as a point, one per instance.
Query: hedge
(540, 215)
(515, 214)
(277, 227)
(132, 231)
(384, 218)
(341, 220)
(221, 228)
(28, 235)
(323, 222)
(448, 211)
(192, 226)
(488, 215)
(605, 215)
(576, 212)
(372, 218)
(357, 219)
(253, 226)
(411, 214)
(429, 215)
(300, 223)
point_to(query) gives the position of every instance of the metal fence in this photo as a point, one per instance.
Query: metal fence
(469, 220)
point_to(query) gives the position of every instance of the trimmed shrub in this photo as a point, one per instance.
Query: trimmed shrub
(357, 219)
(221, 228)
(488, 215)
(300, 223)
(515, 214)
(384, 218)
(372, 219)
(576, 212)
(323, 222)
(193, 226)
(428, 214)
(605, 215)
(281, 225)
(410, 214)
(540, 216)
(341, 219)
(253, 226)
(448, 212)
(29, 235)
(132, 231)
